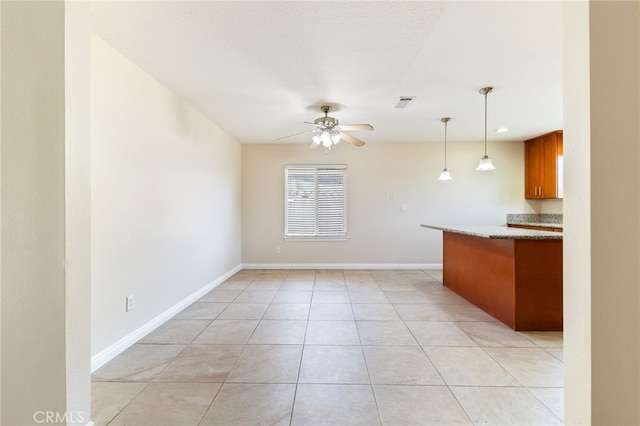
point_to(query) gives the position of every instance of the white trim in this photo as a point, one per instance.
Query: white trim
(315, 239)
(316, 166)
(437, 266)
(121, 345)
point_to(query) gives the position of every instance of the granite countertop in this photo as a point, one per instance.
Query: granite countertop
(547, 220)
(498, 232)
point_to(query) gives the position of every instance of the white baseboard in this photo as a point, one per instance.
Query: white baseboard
(121, 345)
(342, 266)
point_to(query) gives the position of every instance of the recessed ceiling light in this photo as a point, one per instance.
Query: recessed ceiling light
(502, 130)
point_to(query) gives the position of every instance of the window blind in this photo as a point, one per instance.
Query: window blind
(316, 202)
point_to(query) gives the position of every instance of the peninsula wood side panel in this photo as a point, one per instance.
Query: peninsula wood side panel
(538, 284)
(519, 282)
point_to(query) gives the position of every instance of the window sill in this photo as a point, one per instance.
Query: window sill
(316, 238)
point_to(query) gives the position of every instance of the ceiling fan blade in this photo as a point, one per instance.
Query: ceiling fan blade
(355, 127)
(296, 134)
(351, 139)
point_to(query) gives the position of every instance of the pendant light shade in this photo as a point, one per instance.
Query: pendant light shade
(485, 163)
(445, 175)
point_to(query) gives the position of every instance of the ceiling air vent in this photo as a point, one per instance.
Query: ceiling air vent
(404, 102)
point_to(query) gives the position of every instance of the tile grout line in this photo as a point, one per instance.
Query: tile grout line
(349, 288)
(295, 391)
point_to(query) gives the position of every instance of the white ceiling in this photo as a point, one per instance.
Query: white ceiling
(260, 69)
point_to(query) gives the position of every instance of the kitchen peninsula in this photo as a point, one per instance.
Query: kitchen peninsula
(511, 273)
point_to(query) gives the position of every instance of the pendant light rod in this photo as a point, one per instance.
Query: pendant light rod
(485, 163)
(445, 120)
(445, 175)
(485, 91)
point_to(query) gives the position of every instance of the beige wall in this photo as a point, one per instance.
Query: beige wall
(551, 206)
(577, 216)
(615, 211)
(1, 191)
(379, 232)
(78, 208)
(602, 213)
(33, 211)
(165, 198)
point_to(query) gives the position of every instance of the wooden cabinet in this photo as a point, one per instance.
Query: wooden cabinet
(517, 281)
(543, 166)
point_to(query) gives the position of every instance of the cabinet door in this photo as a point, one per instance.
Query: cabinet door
(558, 166)
(548, 166)
(532, 171)
(543, 166)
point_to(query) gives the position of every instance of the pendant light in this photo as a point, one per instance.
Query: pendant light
(485, 163)
(445, 175)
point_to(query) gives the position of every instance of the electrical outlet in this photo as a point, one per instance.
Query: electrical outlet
(277, 250)
(131, 303)
(403, 208)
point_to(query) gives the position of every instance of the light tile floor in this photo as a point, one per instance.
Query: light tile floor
(333, 347)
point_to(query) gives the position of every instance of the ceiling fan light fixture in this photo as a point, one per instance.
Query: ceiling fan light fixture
(329, 132)
(485, 163)
(335, 137)
(325, 137)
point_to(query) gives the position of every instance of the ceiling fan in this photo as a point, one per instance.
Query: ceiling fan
(329, 132)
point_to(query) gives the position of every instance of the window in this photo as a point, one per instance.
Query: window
(316, 202)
